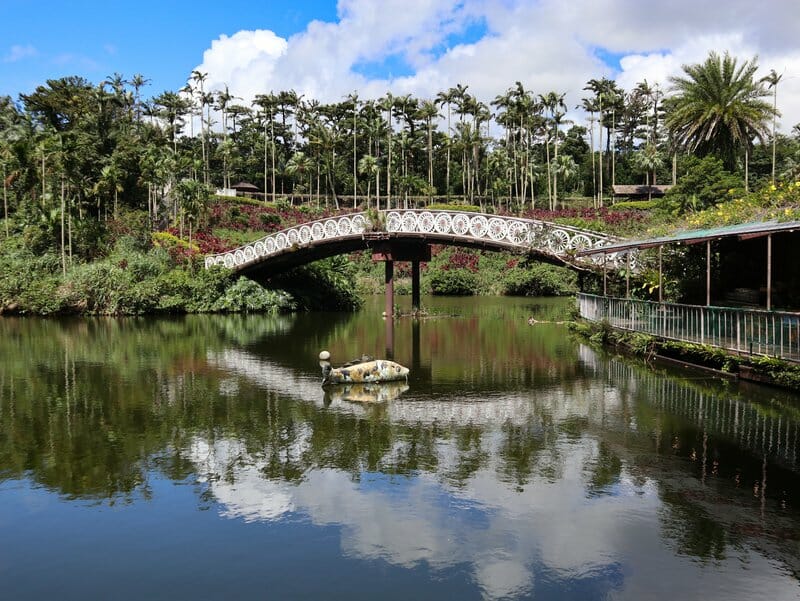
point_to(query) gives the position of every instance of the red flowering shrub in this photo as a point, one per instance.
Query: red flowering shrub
(462, 260)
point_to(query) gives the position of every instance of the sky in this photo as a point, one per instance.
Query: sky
(327, 49)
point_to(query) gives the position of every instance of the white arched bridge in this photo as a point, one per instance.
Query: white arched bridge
(390, 232)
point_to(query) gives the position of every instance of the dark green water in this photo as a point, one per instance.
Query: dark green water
(198, 458)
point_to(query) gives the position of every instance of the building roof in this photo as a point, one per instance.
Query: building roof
(634, 190)
(743, 231)
(245, 187)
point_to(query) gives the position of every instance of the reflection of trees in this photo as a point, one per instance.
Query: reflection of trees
(605, 469)
(90, 408)
(472, 456)
(694, 531)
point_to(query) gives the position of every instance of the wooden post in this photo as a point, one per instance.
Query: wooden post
(708, 273)
(415, 286)
(628, 276)
(769, 272)
(660, 277)
(605, 274)
(389, 289)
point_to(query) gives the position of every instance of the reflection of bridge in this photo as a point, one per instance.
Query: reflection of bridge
(725, 416)
(404, 235)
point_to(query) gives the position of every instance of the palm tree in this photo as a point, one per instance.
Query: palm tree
(718, 108)
(649, 159)
(590, 106)
(772, 79)
(387, 103)
(300, 164)
(554, 103)
(193, 197)
(354, 99)
(205, 100)
(428, 112)
(268, 104)
(566, 166)
(138, 81)
(368, 165)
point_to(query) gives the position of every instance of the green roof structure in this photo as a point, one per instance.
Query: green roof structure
(743, 231)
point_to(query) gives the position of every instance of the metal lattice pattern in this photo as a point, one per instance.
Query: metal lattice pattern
(525, 234)
(510, 232)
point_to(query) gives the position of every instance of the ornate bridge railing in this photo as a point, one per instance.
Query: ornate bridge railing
(500, 232)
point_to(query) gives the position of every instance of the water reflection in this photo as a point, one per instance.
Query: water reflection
(516, 456)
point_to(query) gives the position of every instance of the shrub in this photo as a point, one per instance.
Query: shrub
(453, 282)
(705, 184)
(247, 296)
(329, 284)
(540, 279)
(443, 206)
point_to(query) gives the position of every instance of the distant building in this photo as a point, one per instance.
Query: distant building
(246, 189)
(636, 192)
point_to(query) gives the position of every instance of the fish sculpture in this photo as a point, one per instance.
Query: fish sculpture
(361, 372)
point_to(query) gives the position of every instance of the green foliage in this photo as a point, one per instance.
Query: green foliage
(718, 107)
(780, 372)
(269, 219)
(167, 240)
(443, 206)
(127, 282)
(246, 296)
(453, 282)
(540, 279)
(706, 183)
(329, 284)
(29, 283)
(637, 205)
(241, 200)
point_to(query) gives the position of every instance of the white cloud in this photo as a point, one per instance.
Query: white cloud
(18, 53)
(546, 44)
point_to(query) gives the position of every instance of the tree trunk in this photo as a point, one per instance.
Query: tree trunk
(746, 170)
(555, 170)
(63, 228)
(355, 166)
(5, 200)
(674, 168)
(447, 167)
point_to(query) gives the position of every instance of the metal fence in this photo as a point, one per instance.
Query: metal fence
(769, 333)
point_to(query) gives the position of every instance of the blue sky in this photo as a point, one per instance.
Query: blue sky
(162, 40)
(327, 49)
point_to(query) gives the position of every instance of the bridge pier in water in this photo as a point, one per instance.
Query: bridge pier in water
(396, 250)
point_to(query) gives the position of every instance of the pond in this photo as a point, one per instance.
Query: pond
(199, 457)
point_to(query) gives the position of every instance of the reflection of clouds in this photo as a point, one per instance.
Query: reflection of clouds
(549, 533)
(404, 529)
(246, 493)
(499, 577)
(499, 533)
(546, 535)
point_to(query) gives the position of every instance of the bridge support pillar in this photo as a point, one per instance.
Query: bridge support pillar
(391, 251)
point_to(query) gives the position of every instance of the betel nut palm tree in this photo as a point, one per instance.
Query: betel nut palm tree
(719, 108)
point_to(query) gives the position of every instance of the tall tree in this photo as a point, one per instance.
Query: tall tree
(428, 112)
(718, 108)
(772, 79)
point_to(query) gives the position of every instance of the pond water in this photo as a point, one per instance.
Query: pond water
(199, 457)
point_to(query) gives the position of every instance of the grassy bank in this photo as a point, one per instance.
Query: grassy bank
(767, 370)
